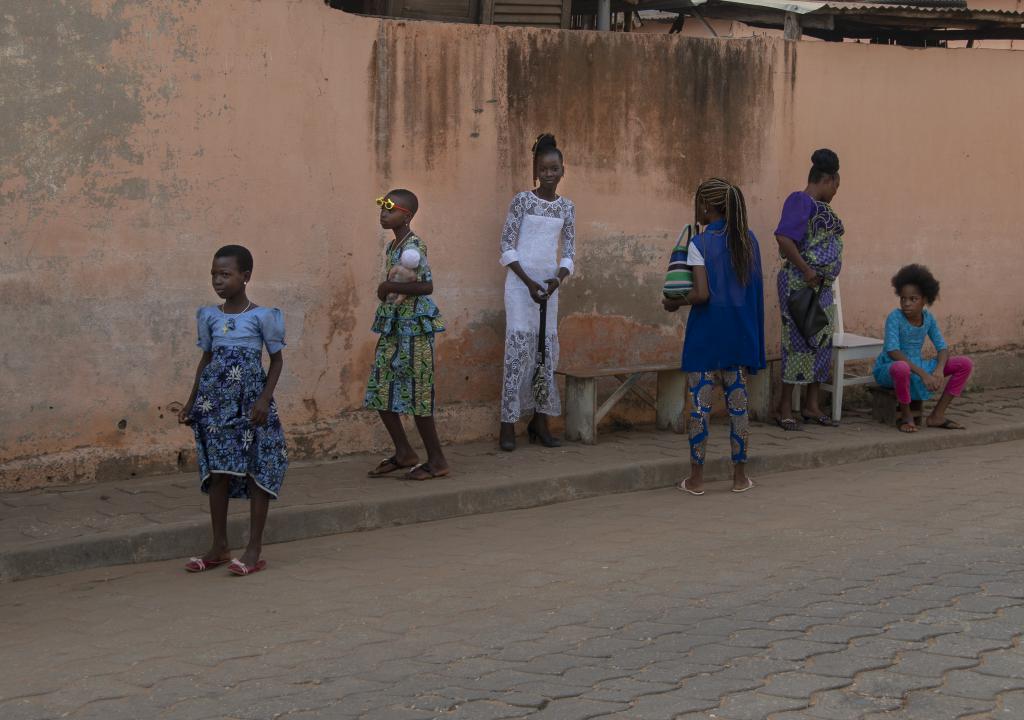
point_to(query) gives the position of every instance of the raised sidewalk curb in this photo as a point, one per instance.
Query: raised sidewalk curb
(486, 482)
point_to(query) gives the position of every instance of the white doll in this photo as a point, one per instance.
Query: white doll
(404, 271)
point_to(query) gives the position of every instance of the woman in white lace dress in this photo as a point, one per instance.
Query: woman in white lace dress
(538, 245)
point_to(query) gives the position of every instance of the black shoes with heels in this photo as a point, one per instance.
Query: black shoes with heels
(507, 438)
(546, 439)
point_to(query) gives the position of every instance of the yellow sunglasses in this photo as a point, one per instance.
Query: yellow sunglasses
(389, 204)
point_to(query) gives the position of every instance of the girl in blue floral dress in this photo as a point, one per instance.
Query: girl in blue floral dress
(239, 440)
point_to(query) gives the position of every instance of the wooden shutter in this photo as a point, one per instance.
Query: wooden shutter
(535, 13)
(467, 11)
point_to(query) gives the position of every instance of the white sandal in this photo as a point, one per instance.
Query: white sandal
(750, 484)
(682, 486)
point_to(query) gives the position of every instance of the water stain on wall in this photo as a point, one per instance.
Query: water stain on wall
(689, 108)
(415, 93)
(63, 112)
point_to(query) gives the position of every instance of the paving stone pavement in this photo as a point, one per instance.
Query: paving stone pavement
(142, 519)
(890, 589)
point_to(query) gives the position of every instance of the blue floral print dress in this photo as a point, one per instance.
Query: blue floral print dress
(227, 443)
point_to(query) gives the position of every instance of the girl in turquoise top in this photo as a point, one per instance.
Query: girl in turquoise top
(239, 440)
(900, 365)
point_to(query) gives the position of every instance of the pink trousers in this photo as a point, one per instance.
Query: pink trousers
(958, 370)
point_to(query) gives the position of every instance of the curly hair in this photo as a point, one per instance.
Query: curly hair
(920, 276)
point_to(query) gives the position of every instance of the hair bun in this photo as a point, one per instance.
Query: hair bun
(825, 161)
(545, 141)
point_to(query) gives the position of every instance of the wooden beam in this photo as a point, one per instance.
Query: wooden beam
(700, 17)
(614, 398)
(639, 392)
(791, 27)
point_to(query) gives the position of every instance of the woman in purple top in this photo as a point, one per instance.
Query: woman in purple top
(810, 238)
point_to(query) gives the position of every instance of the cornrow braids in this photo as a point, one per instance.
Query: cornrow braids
(728, 199)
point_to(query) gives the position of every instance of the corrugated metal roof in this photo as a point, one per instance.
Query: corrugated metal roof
(861, 7)
(925, 3)
(882, 8)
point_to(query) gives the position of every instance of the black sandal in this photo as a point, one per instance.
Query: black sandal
(823, 420)
(428, 472)
(946, 424)
(386, 467)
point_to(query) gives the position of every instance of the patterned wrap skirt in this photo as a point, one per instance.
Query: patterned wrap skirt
(802, 362)
(227, 443)
(402, 376)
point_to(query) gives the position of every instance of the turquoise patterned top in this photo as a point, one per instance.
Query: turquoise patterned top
(909, 339)
(416, 315)
(251, 329)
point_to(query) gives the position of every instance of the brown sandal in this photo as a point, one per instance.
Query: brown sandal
(429, 472)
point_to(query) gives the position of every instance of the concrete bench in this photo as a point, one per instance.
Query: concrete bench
(583, 414)
(884, 408)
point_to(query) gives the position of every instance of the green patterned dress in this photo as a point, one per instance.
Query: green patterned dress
(402, 377)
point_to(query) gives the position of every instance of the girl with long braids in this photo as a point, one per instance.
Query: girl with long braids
(810, 237)
(538, 245)
(725, 330)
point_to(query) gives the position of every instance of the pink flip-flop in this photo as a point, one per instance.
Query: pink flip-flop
(237, 567)
(198, 565)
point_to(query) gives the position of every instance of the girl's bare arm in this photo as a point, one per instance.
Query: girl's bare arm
(203, 362)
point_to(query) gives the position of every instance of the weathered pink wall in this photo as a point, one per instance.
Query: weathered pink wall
(140, 136)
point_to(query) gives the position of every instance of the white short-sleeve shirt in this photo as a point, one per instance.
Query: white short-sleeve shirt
(694, 257)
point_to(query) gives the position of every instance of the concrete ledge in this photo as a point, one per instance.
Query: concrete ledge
(428, 502)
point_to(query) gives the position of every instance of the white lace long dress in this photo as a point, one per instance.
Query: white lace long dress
(541, 236)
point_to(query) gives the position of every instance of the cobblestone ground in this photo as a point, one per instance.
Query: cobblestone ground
(887, 589)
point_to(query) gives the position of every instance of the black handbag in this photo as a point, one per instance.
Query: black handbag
(808, 314)
(540, 375)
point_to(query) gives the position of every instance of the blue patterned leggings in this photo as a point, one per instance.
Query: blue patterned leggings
(734, 384)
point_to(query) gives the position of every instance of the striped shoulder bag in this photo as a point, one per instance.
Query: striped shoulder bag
(679, 278)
